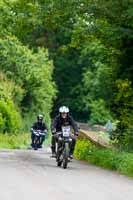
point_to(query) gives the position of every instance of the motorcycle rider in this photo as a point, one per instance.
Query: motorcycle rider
(63, 119)
(39, 125)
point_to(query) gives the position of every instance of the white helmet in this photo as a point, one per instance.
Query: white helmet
(64, 109)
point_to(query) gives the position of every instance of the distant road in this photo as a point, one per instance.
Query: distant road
(33, 175)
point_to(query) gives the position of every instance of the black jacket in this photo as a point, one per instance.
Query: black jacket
(39, 126)
(58, 122)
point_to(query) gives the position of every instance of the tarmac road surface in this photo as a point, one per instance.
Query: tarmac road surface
(33, 175)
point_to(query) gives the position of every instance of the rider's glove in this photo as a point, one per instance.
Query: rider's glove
(31, 129)
(45, 131)
(76, 133)
(53, 131)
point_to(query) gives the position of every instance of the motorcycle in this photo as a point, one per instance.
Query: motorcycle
(37, 138)
(63, 147)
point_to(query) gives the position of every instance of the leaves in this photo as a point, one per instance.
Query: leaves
(90, 43)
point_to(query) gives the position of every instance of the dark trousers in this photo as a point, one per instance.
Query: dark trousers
(42, 138)
(54, 140)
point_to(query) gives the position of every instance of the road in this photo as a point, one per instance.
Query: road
(33, 175)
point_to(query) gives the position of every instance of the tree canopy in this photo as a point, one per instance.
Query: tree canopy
(90, 45)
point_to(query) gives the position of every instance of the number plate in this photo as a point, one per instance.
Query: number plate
(66, 130)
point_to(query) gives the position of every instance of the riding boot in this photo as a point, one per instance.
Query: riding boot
(42, 139)
(72, 146)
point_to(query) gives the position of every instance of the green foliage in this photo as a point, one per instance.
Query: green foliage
(17, 141)
(126, 164)
(105, 44)
(106, 158)
(99, 113)
(26, 75)
(9, 90)
(124, 139)
(13, 141)
(90, 43)
(5, 19)
(123, 102)
(32, 75)
(83, 148)
(9, 117)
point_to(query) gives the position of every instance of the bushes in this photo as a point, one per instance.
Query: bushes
(106, 158)
(126, 164)
(31, 71)
(17, 141)
(26, 84)
(10, 119)
(103, 158)
(82, 149)
(14, 141)
(99, 113)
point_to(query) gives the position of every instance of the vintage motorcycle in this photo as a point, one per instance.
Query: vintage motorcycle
(63, 147)
(37, 138)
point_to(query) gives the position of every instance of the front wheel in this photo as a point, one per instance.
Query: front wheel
(59, 157)
(36, 141)
(66, 155)
(59, 163)
(65, 162)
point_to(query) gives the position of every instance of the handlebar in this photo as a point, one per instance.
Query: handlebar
(60, 133)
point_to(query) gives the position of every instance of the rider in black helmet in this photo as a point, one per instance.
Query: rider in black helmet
(39, 125)
(63, 119)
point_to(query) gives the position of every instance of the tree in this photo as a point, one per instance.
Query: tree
(32, 73)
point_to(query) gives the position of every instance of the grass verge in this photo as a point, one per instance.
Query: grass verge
(19, 141)
(121, 162)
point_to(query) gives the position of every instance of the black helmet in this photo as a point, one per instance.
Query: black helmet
(40, 117)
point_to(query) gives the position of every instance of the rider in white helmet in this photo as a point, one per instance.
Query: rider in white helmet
(63, 109)
(63, 119)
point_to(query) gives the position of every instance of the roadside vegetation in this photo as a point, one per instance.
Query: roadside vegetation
(14, 141)
(76, 53)
(119, 161)
(18, 141)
